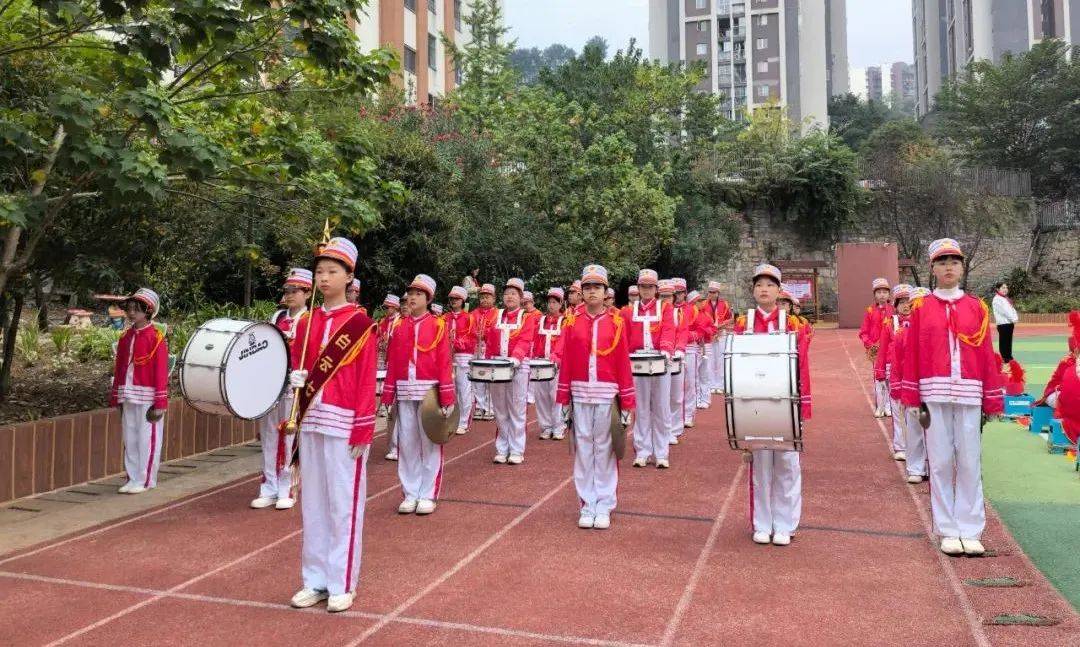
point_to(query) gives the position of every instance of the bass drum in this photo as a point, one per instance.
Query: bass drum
(763, 409)
(234, 367)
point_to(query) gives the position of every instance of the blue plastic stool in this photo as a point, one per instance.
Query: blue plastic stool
(1040, 419)
(1018, 405)
(1057, 442)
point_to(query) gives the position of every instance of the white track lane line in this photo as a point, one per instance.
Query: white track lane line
(978, 633)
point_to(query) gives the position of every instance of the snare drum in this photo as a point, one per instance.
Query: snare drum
(495, 370)
(647, 362)
(676, 365)
(761, 374)
(234, 367)
(541, 370)
(380, 380)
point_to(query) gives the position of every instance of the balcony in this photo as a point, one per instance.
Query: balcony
(727, 57)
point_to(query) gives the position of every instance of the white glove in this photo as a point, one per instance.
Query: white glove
(679, 354)
(1052, 399)
(298, 378)
(667, 355)
(355, 451)
(516, 362)
(446, 411)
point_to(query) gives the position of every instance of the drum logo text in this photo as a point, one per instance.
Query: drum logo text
(253, 347)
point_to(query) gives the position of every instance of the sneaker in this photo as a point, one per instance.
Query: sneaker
(781, 539)
(689, 424)
(408, 506)
(761, 537)
(586, 521)
(258, 504)
(340, 602)
(878, 413)
(285, 503)
(702, 405)
(545, 435)
(641, 462)
(425, 506)
(462, 431)
(973, 547)
(662, 463)
(915, 478)
(305, 598)
(602, 521)
(391, 456)
(674, 440)
(126, 487)
(516, 459)
(952, 546)
(558, 435)
(499, 458)
(899, 456)
(136, 489)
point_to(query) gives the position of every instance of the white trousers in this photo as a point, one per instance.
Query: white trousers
(690, 382)
(716, 362)
(596, 471)
(954, 447)
(915, 441)
(509, 402)
(704, 376)
(464, 389)
(652, 432)
(392, 438)
(899, 431)
(548, 413)
(776, 491)
(882, 401)
(482, 391)
(420, 461)
(676, 410)
(142, 444)
(332, 504)
(276, 484)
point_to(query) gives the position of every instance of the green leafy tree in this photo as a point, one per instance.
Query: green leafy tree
(490, 80)
(529, 61)
(852, 119)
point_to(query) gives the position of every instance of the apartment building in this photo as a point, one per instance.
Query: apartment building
(756, 52)
(902, 76)
(874, 90)
(413, 29)
(949, 34)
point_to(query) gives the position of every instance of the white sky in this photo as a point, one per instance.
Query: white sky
(879, 31)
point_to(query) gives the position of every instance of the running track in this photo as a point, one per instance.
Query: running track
(501, 562)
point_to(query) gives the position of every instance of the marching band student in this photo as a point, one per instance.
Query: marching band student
(575, 304)
(140, 389)
(418, 360)
(391, 318)
(463, 341)
(352, 295)
(775, 475)
(337, 423)
(704, 370)
(1063, 390)
(532, 320)
(609, 298)
(527, 303)
(510, 337)
(650, 327)
(885, 363)
(722, 319)
(699, 331)
(277, 446)
(632, 294)
(483, 319)
(914, 435)
(548, 344)
(870, 332)
(949, 367)
(673, 292)
(595, 371)
(437, 309)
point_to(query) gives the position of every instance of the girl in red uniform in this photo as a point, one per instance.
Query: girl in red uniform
(949, 367)
(463, 345)
(885, 362)
(483, 318)
(673, 293)
(511, 337)
(418, 360)
(650, 327)
(337, 408)
(595, 376)
(1063, 390)
(548, 344)
(700, 332)
(870, 333)
(385, 326)
(140, 390)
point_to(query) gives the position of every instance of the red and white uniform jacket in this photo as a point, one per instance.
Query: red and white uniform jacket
(385, 324)
(509, 335)
(766, 323)
(483, 318)
(417, 359)
(949, 356)
(886, 357)
(532, 320)
(141, 371)
(578, 310)
(719, 314)
(872, 322)
(649, 326)
(287, 325)
(681, 315)
(462, 332)
(550, 338)
(345, 407)
(702, 328)
(596, 361)
(1066, 381)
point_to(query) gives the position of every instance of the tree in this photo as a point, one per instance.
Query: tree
(1022, 113)
(852, 119)
(528, 62)
(485, 63)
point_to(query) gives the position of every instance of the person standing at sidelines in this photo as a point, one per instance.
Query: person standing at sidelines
(870, 333)
(595, 376)
(649, 327)
(1005, 318)
(483, 319)
(722, 319)
(548, 344)
(463, 344)
(277, 446)
(510, 337)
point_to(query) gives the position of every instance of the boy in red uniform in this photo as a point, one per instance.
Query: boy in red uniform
(632, 294)
(463, 344)
(548, 344)
(277, 446)
(914, 435)
(140, 389)
(418, 360)
(336, 383)
(673, 292)
(870, 333)
(510, 337)
(699, 331)
(721, 316)
(595, 374)
(949, 367)
(885, 364)
(352, 295)
(1063, 390)
(776, 476)
(575, 303)
(391, 318)
(483, 319)
(650, 327)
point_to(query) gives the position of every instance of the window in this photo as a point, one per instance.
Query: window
(432, 52)
(762, 43)
(410, 5)
(431, 6)
(457, 15)
(410, 59)
(700, 4)
(703, 25)
(763, 67)
(763, 91)
(763, 19)
(702, 49)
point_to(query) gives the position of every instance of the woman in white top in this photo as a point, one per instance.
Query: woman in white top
(1005, 316)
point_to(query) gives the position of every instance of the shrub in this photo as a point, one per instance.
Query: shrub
(28, 344)
(96, 344)
(62, 336)
(1050, 303)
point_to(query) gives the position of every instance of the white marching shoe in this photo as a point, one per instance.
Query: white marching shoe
(408, 506)
(899, 456)
(516, 459)
(263, 502)
(136, 489)
(305, 598)
(915, 478)
(558, 435)
(662, 463)
(425, 506)
(391, 456)
(761, 537)
(673, 441)
(602, 521)
(781, 539)
(641, 462)
(586, 521)
(461, 431)
(973, 547)
(545, 435)
(689, 424)
(126, 487)
(285, 503)
(339, 602)
(952, 546)
(499, 458)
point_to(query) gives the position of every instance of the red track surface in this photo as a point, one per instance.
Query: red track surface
(502, 562)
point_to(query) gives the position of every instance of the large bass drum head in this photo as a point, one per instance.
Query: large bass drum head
(255, 370)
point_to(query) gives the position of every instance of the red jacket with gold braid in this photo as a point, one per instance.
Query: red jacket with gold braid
(596, 361)
(556, 324)
(662, 331)
(886, 356)
(1066, 380)
(872, 322)
(141, 370)
(417, 359)
(719, 314)
(764, 323)
(519, 340)
(681, 314)
(702, 328)
(463, 332)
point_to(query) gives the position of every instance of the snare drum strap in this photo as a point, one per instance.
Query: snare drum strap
(341, 349)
